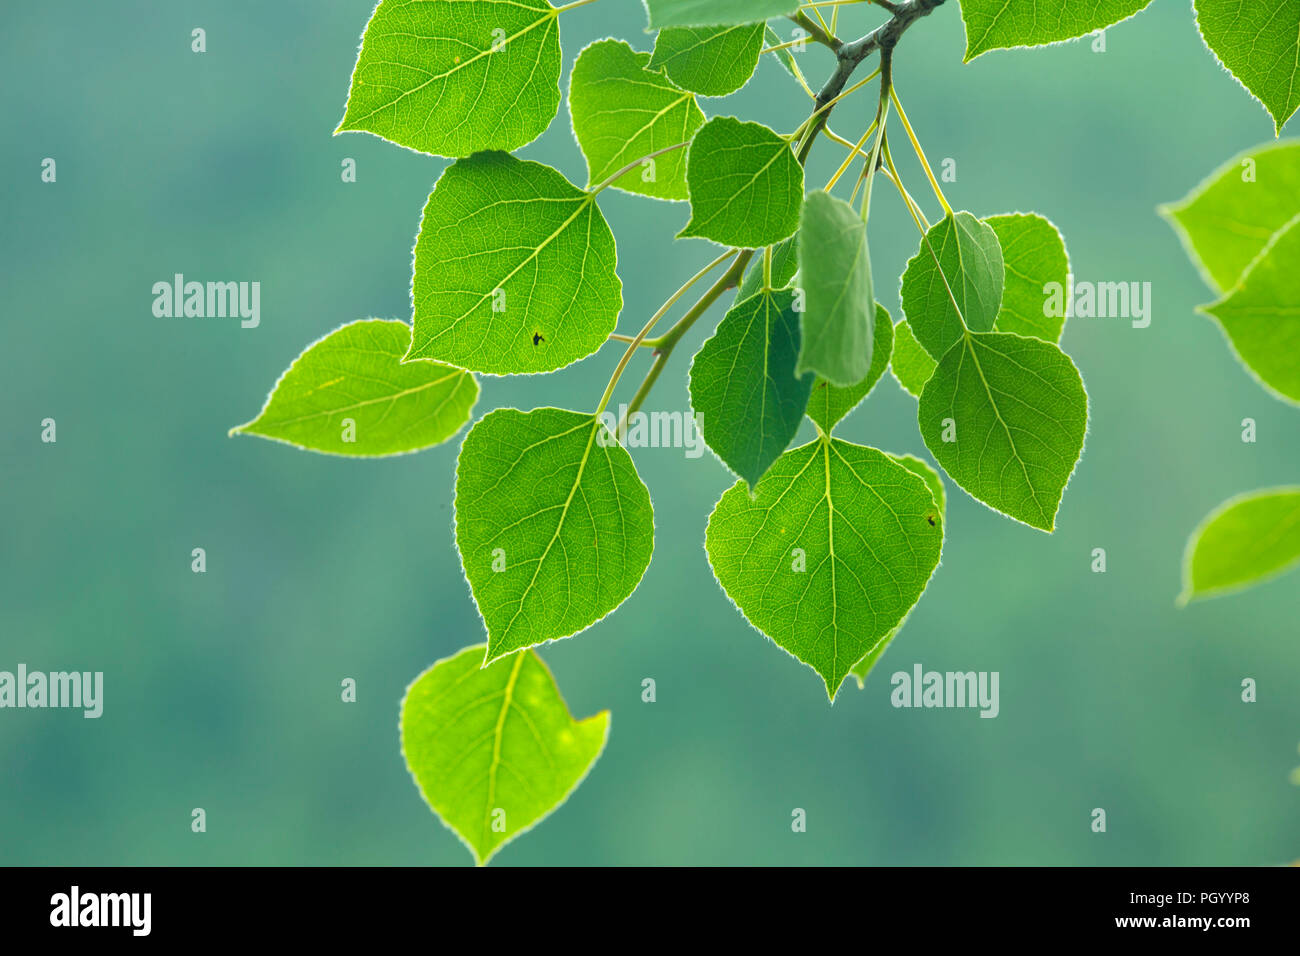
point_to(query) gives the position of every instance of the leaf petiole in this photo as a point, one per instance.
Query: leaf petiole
(920, 153)
(650, 324)
(596, 190)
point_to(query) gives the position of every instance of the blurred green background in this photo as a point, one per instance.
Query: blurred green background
(222, 689)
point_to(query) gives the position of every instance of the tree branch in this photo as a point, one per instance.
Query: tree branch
(850, 55)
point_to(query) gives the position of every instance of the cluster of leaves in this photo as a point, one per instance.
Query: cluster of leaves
(825, 547)
(1241, 227)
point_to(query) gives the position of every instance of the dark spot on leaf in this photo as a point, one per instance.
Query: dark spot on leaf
(930, 518)
(537, 337)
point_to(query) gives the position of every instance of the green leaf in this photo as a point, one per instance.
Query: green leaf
(350, 394)
(932, 480)
(1259, 44)
(495, 750)
(956, 276)
(708, 13)
(1016, 413)
(1033, 256)
(452, 77)
(784, 56)
(622, 111)
(1003, 24)
(711, 61)
(829, 555)
(554, 526)
(1261, 315)
(514, 269)
(839, 314)
(745, 184)
(785, 266)
(1247, 540)
(829, 403)
(744, 387)
(910, 364)
(1226, 221)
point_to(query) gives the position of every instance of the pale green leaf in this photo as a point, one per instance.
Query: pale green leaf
(1247, 540)
(785, 265)
(1226, 221)
(831, 552)
(711, 61)
(1261, 315)
(1259, 44)
(710, 13)
(1016, 413)
(494, 750)
(745, 184)
(838, 318)
(1033, 256)
(554, 526)
(932, 480)
(910, 364)
(743, 385)
(514, 269)
(956, 277)
(622, 112)
(349, 394)
(772, 39)
(1002, 24)
(829, 403)
(452, 77)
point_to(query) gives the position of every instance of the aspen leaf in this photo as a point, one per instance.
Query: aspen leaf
(868, 528)
(553, 495)
(514, 269)
(494, 750)
(452, 77)
(356, 373)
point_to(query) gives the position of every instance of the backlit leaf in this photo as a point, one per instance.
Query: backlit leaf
(831, 552)
(1247, 540)
(350, 394)
(1259, 44)
(554, 526)
(494, 750)
(1005, 416)
(1261, 315)
(1033, 256)
(745, 184)
(1226, 221)
(910, 364)
(622, 112)
(711, 61)
(932, 480)
(1001, 24)
(956, 275)
(452, 77)
(514, 269)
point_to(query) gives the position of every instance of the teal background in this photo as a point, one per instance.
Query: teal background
(222, 689)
